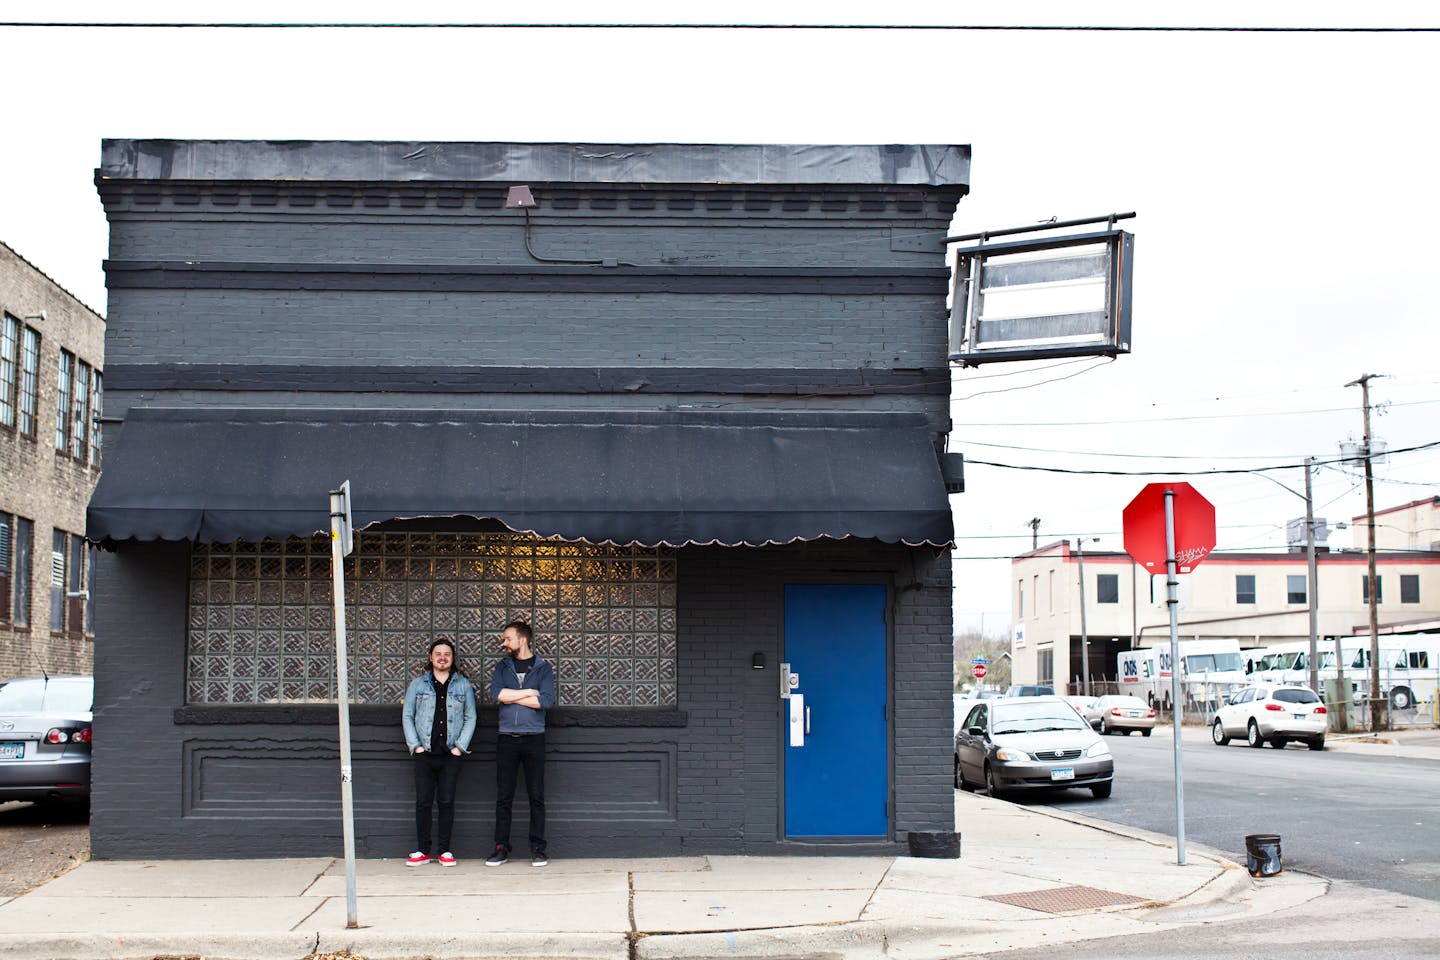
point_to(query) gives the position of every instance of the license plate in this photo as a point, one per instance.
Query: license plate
(1301, 716)
(12, 751)
(1132, 713)
(1062, 773)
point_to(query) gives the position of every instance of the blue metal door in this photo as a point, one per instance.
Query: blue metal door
(836, 750)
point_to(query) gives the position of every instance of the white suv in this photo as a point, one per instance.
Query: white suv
(1277, 713)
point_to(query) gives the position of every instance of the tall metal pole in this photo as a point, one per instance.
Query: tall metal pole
(1377, 696)
(1172, 586)
(1314, 590)
(1084, 637)
(339, 523)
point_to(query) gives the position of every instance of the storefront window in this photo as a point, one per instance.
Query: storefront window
(261, 630)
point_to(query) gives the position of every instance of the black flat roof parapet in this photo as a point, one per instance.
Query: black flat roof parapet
(579, 163)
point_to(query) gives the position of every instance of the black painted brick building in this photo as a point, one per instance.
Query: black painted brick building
(725, 370)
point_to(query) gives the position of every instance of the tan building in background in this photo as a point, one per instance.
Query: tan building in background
(1256, 598)
(1410, 526)
(52, 350)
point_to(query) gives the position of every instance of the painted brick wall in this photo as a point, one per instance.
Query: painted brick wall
(166, 789)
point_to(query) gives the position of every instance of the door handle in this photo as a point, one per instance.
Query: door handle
(807, 721)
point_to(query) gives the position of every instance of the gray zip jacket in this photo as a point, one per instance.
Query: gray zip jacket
(515, 718)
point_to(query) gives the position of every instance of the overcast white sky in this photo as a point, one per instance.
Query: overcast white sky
(1286, 186)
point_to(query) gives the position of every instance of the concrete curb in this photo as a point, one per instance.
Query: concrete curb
(373, 945)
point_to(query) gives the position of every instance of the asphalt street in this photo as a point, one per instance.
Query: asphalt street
(1369, 820)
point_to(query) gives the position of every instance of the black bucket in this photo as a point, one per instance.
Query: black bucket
(1262, 854)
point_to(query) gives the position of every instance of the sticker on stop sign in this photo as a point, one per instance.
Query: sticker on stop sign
(1144, 525)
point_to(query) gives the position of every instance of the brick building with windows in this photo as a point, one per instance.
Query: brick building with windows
(52, 350)
(682, 407)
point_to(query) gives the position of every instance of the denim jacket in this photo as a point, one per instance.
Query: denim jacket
(515, 718)
(418, 716)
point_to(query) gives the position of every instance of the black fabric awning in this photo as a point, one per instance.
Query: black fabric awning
(217, 475)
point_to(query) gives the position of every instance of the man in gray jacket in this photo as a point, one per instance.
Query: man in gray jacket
(523, 686)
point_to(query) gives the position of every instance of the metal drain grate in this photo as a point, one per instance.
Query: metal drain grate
(1065, 899)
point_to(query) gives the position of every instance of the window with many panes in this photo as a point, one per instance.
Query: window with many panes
(63, 392)
(1244, 588)
(7, 565)
(59, 564)
(29, 382)
(22, 545)
(1296, 588)
(1107, 588)
(9, 369)
(1409, 588)
(77, 409)
(71, 564)
(97, 395)
(80, 413)
(1365, 588)
(261, 616)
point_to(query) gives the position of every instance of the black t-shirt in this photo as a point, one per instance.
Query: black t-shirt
(522, 667)
(438, 740)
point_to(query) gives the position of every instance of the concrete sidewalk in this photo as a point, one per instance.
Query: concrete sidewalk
(1026, 878)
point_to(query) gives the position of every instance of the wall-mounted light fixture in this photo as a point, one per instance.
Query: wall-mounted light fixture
(757, 662)
(519, 197)
(35, 316)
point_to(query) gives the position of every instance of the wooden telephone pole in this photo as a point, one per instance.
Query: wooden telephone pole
(1378, 699)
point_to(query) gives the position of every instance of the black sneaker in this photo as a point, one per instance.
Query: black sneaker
(538, 859)
(501, 855)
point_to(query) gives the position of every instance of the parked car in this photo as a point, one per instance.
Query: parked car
(1121, 714)
(1273, 713)
(45, 738)
(1029, 690)
(1087, 707)
(964, 701)
(1026, 743)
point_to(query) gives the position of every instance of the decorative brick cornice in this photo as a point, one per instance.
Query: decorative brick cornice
(193, 196)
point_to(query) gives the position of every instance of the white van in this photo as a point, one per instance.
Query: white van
(1210, 669)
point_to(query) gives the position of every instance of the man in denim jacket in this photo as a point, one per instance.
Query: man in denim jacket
(523, 686)
(437, 739)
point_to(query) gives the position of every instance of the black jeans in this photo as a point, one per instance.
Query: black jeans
(511, 753)
(436, 775)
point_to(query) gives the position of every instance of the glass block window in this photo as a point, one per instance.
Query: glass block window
(261, 623)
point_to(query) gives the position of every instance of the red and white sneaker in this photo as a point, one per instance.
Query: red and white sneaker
(418, 859)
(447, 859)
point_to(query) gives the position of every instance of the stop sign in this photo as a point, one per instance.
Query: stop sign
(979, 671)
(1144, 524)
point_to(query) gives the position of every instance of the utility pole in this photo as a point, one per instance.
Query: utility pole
(1314, 585)
(1034, 526)
(1377, 697)
(1084, 637)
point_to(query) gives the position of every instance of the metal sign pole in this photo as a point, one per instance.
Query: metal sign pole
(340, 544)
(1172, 585)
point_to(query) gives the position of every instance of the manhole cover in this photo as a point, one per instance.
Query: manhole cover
(1065, 899)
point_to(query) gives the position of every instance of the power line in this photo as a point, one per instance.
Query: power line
(1038, 383)
(884, 27)
(1209, 416)
(1126, 456)
(1186, 473)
